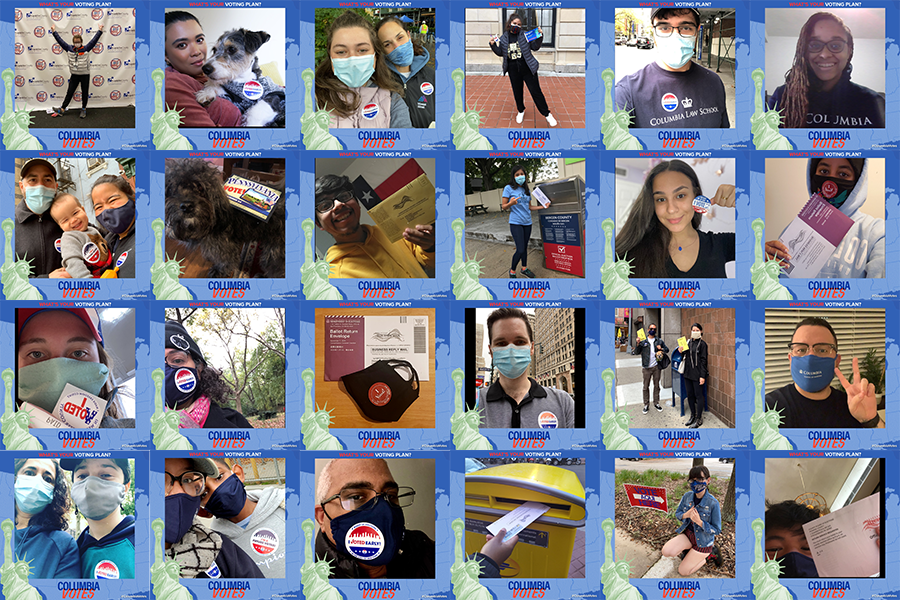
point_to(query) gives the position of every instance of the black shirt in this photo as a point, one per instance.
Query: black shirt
(222, 417)
(798, 411)
(846, 106)
(716, 249)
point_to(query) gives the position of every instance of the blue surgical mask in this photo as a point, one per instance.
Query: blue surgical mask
(512, 360)
(812, 373)
(698, 486)
(675, 50)
(228, 499)
(117, 220)
(402, 56)
(520, 179)
(42, 383)
(182, 384)
(355, 71)
(33, 494)
(38, 198)
(371, 534)
(180, 512)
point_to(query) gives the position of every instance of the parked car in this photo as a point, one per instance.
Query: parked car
(631, 42)
(644, 43)
(620, 40)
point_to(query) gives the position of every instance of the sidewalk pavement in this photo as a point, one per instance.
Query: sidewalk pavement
(493, 98)
(648, 562)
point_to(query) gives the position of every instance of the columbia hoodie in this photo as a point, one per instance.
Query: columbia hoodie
(419, 88)
(263, 538)
(378, 258)
(861, 252)
(110, 557)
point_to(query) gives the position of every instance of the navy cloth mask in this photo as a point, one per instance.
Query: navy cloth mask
(228, 499)
(180, 387)
(514, 29)
(795, 564)
(371, 534)
(118, 220)
(698, 486)
(812, 373)
(180, 511)
(844, 188)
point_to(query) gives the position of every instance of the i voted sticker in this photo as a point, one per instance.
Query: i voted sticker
(121, 260)
(252, 90)
(91, 253)
(829, 189)
(547, 420)
(364, 541)
(213, 571)
(669, 102)
(426, 88)
(264, 541)
(701, 204)
(185, 380)
(379, 394)
(370, 111)
(106, 569)
(58, 245)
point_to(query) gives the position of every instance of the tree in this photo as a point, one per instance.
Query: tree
(325, 17)
(495, 172)
(698, 462)
(728, 505)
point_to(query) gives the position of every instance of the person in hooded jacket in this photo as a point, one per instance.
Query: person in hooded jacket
(194, 388)
(254, 520)
(79, 56)
(860, 254)
(408, 59)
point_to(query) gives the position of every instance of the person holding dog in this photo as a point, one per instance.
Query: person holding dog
(115, 210)
(408, 59)
(81, 245)
(79, 57)
(354, 82)
(185, 54)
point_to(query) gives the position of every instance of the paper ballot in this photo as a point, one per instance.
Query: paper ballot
(843, 543)
(812, 237)
(541, 197)
(533, 34)
(641, 335)
(517, 520)
(682, 344)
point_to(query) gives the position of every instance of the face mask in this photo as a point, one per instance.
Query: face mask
(834, 191)
(180, 511)
(97, 498)
(117, 220)
(380, 392)
(402, 56)
(33, 494)
(514, 29)
(371, 534)
(698, 486)
(38, 198)
(675, 50)
(182, 384)
(651, 332)
(42, 383)
(228, 499)
(520, 179)
(354, 71)
(795, 564)
(695, 335)
(812, 373)
(512, 360)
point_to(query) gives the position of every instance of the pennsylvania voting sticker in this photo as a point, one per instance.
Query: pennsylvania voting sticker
(547, 420)
(364, 541)
(370, 111)
(701, 204)
(264, 541)
(106, 569)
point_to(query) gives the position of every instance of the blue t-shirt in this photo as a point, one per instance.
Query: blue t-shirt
(519, 213)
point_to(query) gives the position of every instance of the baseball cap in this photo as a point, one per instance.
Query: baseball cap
(37, 161)
(90, 316)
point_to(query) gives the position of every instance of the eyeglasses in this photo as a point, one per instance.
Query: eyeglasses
(192, 482)
(323, 206)
(834, 46)
(685, 30)
(822, 350)
(357, 498)
(178, 359)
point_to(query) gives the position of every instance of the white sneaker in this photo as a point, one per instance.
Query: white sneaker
(551, 120)
(520, 117)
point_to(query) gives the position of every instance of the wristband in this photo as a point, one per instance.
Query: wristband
(873, 422)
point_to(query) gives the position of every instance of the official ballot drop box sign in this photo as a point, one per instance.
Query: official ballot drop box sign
(545, 546)
(562, 225)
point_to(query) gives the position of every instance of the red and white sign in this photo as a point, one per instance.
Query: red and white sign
(644, 496)
(564, 258)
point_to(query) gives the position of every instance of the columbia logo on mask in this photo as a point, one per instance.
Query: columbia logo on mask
(184, 380)
(364, 541)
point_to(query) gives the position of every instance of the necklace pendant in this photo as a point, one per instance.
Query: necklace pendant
(679, 248)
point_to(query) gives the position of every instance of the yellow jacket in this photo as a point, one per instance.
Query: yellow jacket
(378, 258)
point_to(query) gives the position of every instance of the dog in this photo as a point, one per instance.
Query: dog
(233, 72)
(199, 214)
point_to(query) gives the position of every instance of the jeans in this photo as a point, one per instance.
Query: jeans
(521, 234)
(74, 81)
(651, 373)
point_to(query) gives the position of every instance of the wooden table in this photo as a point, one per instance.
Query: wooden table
(346, 415)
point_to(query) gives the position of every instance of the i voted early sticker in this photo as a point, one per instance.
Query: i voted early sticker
(701, 204)
(548, 420)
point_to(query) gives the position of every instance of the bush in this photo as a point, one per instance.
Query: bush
(325, 17)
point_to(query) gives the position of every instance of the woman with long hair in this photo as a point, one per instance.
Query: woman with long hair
(116, 210)
(408, 60)
(696, 372)
(701, 522)
(516, 51)
(662, 237)
(42, 506)
(354, 82)
(517, 198)
(817, 90)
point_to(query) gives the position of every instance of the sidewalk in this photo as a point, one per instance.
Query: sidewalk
(648, 562)
(492, 95)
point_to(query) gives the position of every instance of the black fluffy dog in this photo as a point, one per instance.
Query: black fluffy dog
(199, 215)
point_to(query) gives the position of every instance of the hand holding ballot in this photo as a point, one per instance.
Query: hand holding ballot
(420, 235)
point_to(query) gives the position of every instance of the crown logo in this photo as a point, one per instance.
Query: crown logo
(687, 103)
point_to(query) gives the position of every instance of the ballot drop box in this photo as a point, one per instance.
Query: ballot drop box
(545, 546)
(562, 225)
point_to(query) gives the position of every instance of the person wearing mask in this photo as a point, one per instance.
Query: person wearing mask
(254, 520)
(408, 60)
(194, 388)
(696, 372)
(785, 539)
(201, 552)
(79, 57)
(515, 401)
(35, 232)
(810, 402)
(651, 350)
(42, 505)
(843, 183)
(516, 198)
(701, 522)
(116, 210)
(674, 92)
(107, 544)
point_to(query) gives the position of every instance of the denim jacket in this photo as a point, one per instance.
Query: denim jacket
(709, 514)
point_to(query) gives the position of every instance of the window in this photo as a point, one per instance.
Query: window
(95, 164)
